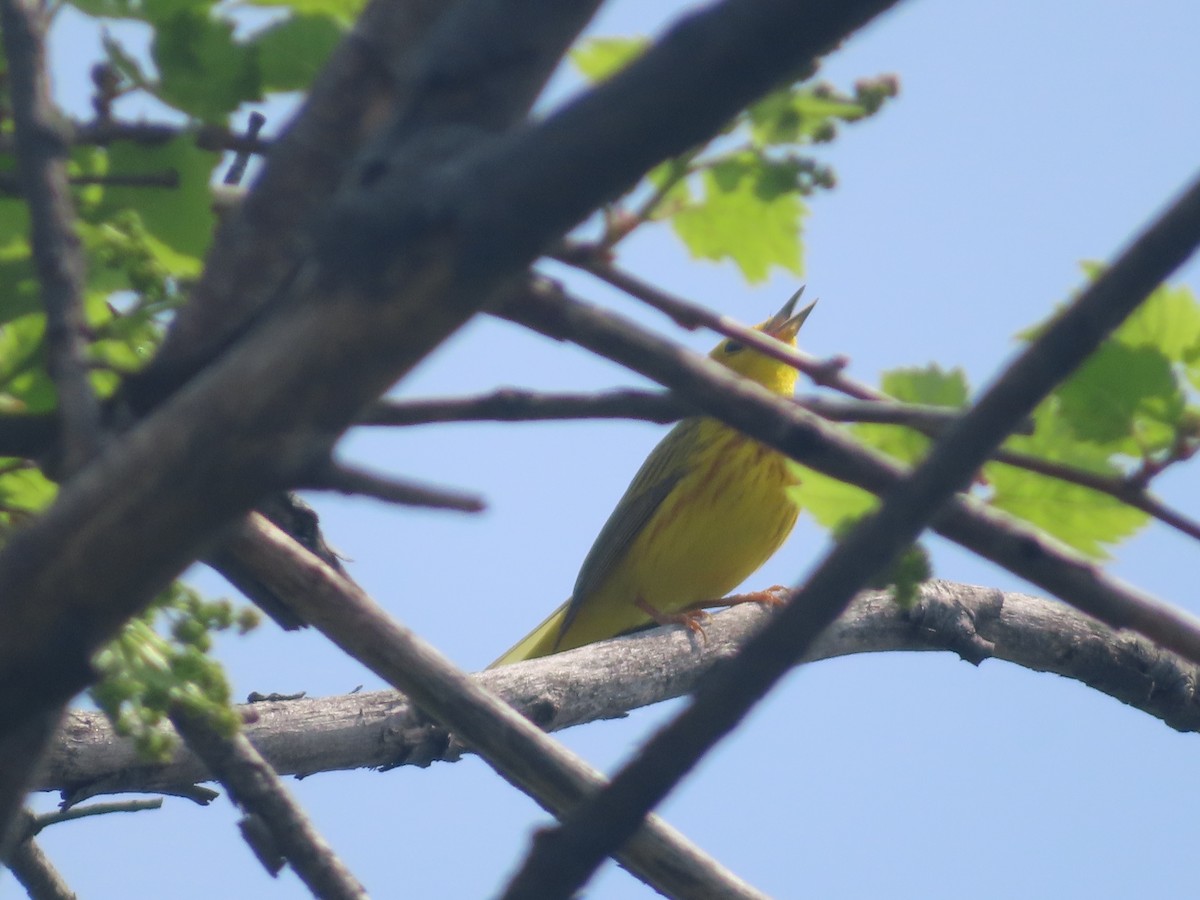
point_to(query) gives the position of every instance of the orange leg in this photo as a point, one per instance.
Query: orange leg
(691, 620)
(776, 595)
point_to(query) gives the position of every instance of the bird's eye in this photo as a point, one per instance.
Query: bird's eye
(732, 347)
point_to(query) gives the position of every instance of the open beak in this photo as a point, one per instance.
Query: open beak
(783, 325)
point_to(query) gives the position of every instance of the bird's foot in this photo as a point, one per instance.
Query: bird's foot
(693, 620)
(774, 596)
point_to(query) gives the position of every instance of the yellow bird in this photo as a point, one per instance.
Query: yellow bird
(706, 509)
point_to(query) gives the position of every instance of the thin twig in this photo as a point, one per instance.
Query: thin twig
(516, 405)
(168, 178)
(42, 153)
(255, 787)
(349, 480)
(237, 170)
(104, 132)
(564, 858)
(45, 820)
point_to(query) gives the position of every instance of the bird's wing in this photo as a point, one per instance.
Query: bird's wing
(655, 480)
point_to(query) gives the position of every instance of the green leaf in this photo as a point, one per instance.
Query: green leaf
(181, 217)
(830, 502)
(203, 71)
(750, 214)
(344, 12)
(22, 370)
(20, 294)
(1168, 320)
(930, 386)
(1123, 395)
(1078, 516)
(292, 52)
(800, 113)
(905, 575)
(601, 58)
(24, 492)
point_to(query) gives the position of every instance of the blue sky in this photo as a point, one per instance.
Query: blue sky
(1027, 137)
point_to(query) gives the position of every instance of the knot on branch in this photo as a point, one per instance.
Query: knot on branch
(939, 617)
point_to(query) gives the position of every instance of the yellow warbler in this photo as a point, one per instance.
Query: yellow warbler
(706, 509)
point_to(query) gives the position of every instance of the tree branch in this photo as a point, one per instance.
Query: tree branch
(255, 787)
(564, 858)
(515, 405)
(350, 480)
(33, 868)
(381, 729)
(42, 152)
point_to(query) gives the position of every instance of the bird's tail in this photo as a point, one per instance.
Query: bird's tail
(542, 641)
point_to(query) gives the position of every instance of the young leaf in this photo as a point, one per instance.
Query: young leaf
(600, 58)
(1078, 516)
(180, 217)
(291, 52)
(203, 70)
(749, 214)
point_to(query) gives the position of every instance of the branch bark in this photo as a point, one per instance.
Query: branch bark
(382, 729)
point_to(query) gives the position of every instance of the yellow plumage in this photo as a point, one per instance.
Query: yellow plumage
(707, 508)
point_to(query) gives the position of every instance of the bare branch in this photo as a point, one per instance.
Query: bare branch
(381, 729)
(690, 315)
(103, 132)
(33, 868)
(349, 480)
(42, 154)
(255, 787)
(237, 170)
(515, 405)
(564, 858)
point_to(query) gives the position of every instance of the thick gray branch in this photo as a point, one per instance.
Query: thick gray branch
(606, 680)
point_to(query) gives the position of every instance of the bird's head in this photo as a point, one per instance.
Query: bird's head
(770, 373)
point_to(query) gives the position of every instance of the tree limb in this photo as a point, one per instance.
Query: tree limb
(42, 153)
(351, 480)
(381, 729)
(255, 787)
(33, 868)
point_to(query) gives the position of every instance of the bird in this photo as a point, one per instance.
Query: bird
(706, 509)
